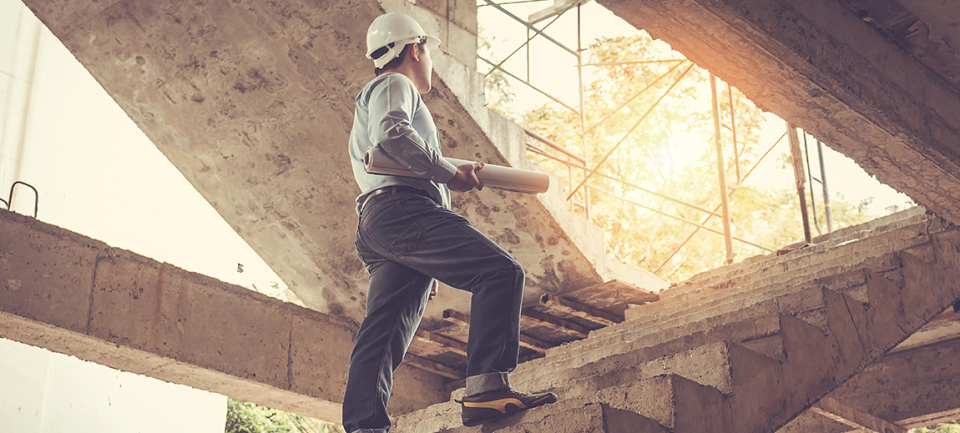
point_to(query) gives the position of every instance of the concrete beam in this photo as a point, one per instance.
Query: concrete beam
(819, 66)
(907, 384)
(854, 418)
(75, 295)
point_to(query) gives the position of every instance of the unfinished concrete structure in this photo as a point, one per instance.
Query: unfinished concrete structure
(249, 98)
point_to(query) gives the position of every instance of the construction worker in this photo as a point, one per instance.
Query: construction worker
(408, 239)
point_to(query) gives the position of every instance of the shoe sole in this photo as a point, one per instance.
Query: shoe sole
(500, 405)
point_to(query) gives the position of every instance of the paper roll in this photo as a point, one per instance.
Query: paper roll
(377, 161)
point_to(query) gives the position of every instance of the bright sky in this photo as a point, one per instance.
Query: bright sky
(554, 71)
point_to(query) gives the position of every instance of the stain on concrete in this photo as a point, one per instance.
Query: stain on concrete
(507, 237)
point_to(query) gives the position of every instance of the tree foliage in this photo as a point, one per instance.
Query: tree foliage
(671, 152)
(243, 417)
(950, 427)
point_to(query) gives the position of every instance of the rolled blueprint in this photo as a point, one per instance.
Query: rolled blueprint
(377, 161)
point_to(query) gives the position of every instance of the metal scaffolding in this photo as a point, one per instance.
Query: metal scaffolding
(582, 164)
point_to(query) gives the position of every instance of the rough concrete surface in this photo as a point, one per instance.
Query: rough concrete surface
(818, 65)
(684, 368)
(77, 296)
(253, 102)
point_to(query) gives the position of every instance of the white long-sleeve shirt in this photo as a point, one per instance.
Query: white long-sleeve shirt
(391, 115)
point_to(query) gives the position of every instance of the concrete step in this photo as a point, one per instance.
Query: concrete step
(827, 262)
(646, 405)
(799, 299)
(788, 267)
(873, 229)
(838, 273)
(804, 300)
(706, 365)
(692, 376)
(898, 228)
(566, 416)
(817, 361)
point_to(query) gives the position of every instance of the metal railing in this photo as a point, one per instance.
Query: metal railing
(9, 201)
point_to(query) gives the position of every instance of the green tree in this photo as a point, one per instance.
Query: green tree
(671, 151)
(950, 427)
(243, 417)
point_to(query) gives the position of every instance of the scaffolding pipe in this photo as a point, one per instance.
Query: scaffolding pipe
(724, 199)
(543, 153)
(828, 214)
(637, 95)
(509, 74)
(638, 62)
(798, 174)
(634, 127)
(531, 27)
(553, 145)
(733, 128)
(715, 209)
(583, 117)
(678, 218)
(813, 196)
(534, 28)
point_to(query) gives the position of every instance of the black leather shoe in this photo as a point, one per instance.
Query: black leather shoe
(487, 406)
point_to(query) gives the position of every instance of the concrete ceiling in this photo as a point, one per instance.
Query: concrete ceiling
(253, 102)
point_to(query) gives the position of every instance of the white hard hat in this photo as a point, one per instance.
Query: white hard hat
(393, 31)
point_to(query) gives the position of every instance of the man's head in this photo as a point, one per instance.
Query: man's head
(397, 43)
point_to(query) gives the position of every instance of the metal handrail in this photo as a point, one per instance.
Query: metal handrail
(36, 196)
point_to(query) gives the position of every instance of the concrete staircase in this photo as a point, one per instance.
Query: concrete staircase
(744, 348)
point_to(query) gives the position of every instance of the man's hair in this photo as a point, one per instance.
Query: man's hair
(397, 61)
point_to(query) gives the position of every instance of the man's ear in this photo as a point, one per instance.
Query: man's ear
(415, 52)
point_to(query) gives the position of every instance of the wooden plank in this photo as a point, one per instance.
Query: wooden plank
(853, 417)
(457, 318)
(534, 344)
(554, 323)
(447, 343)
(463, 319)
(611, 293)
(930, 419)
(434, 367)
(577, 309)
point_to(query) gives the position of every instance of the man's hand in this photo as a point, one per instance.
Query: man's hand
(466, 178)
(433, 290)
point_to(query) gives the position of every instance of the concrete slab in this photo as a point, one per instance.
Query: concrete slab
(77, 296)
